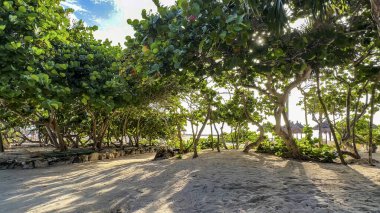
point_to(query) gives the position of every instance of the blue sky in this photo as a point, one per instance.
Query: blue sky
(111, 15)
(91, 11)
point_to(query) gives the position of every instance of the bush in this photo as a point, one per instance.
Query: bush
(205, 143)
(276, 147)
(308, 150)
(324, 153)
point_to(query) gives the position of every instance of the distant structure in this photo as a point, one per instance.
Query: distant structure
(297, 129)
(325, 129)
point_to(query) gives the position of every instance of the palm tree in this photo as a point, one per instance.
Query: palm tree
(275, 11)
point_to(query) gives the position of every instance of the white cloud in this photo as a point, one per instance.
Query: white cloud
(116, 28)
(74, 5)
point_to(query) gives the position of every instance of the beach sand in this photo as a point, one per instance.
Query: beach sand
(215, 182)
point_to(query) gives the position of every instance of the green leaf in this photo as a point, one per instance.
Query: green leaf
(8, 5)
(183, 4)
(54, 104)
(85, 99)
(195, 9)
(37, 51)
(200, 49)
(35, 77)
(231, 18)
(223, 35)
(144, 14)
(28, 38)
(305, 39)
(30, 69)
(2, 27)
(22, 9)
(61, 66)
(12, 18)
(44, 78)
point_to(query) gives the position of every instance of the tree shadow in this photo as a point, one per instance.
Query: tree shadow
(215, 182)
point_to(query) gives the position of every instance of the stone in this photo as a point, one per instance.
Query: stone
(77, 159)
(42, 163)
(115, 154)
(27, 165)
(93, 156)
(164, 153)
(84, 158)
(102, 156)
(110, 155)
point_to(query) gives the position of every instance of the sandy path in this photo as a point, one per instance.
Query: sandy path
(227, 182)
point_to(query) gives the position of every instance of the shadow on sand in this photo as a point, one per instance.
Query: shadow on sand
(215, 182)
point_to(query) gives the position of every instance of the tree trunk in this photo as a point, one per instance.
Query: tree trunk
(375, 8)
(52, 138)
(212, 136)
(258, 141)
(137, 140)
(130, 140)
(290, 140)
(354, 130)
(305, 109)
(1, 143)
(222, 137)
(320, 136)
(137, 136)
(199, 135)
(179, 134)
(348, 113)
(370, 142)
(286, 136)
(328, 120)
(232, 138)
(218, 138)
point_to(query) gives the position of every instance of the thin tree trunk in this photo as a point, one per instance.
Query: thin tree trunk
(305, 109)
(232, 138)
(51, 136)
(218, 138)
(348, 112)
(179, 134)
(258, 141)
(130, 140)
(238, 137)
(375, 8)
(199, 135)
(328, 120)
(320, 134)
(123, 132)
(212, 136)
(222, 137)
(370, 144)
(1, 143)
(354, 129)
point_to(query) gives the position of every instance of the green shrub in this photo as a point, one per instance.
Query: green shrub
(205, 143)
(324, 153)
(276, 147)
(307, 148)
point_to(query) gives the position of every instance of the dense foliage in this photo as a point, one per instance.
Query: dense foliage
(224, 64)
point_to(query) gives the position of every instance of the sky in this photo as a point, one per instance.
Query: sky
(111, 17)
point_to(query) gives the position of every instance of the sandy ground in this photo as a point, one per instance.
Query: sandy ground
(227, 182)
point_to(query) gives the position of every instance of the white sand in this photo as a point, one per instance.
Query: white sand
(227, 182)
